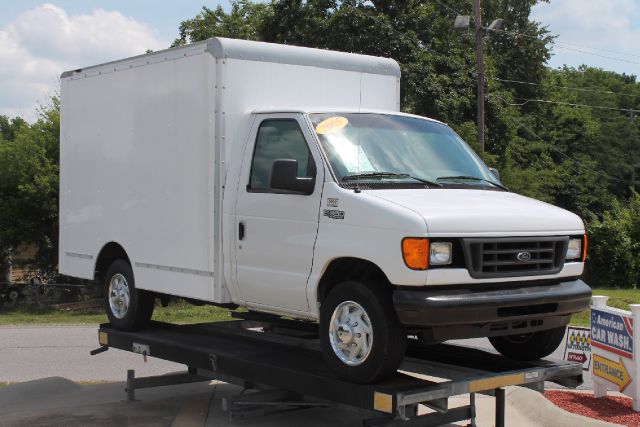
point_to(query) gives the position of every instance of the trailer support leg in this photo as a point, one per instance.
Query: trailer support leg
(131, 386)
(500, 407)
(472, 409)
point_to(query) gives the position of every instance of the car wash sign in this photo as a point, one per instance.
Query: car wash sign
(615, 361)
(612, 332)
(577, 347)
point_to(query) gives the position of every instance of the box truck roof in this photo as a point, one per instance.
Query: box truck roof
(310, 110)
(253, 51)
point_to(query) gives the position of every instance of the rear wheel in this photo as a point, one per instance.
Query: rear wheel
(361, 337)
(128, 308)
(531, 346)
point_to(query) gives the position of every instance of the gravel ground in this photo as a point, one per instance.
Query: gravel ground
(612, 409)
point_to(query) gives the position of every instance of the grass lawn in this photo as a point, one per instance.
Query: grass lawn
(619, 298)
(182, 312)
(179, 312)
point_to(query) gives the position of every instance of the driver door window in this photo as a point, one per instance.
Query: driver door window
(278, 139)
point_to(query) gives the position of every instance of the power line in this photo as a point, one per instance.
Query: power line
(557, 150)
(578, 89)
(559, 44)
(518, 34)
(576, 161)
(600, 49)
(448, 7)
(599, 55)
(571, 104)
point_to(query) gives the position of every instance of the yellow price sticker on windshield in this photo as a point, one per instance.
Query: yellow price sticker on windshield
(331, 124)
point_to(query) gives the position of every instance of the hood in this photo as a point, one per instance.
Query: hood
(459, 212)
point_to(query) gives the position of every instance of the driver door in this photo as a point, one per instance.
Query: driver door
(275, 230)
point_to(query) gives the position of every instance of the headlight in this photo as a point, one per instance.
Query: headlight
(440, 253)
(419, 253)
(574, 251)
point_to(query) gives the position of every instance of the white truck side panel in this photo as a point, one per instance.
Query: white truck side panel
(136, 160)
(248, 85)
(151, 150)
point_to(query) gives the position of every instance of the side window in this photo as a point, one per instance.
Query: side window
(278, 139)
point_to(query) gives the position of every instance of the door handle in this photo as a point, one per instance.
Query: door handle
(241, 228)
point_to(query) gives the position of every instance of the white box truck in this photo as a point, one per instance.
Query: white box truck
(285, 180)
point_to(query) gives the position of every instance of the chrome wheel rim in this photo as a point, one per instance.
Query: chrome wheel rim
(119, 296)
(350, 333)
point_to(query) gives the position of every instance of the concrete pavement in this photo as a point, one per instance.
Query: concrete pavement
(60, 402)
(33, 352)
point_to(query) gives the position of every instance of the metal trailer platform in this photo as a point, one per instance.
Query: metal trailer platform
(281, 359)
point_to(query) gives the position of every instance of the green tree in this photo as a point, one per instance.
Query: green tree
(244, 21)
(614, 257)
(29, 171)
(10, 127)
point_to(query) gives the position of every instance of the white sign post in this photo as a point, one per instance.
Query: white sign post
(615, 344)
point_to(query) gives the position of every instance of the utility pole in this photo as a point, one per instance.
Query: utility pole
(480, 65)
(634, 166)
(461, 24)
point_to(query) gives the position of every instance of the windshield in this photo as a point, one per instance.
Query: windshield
(386, 148)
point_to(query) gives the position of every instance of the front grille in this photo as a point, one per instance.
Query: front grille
(514, 256)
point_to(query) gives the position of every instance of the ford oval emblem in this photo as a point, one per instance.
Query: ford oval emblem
(524, 256)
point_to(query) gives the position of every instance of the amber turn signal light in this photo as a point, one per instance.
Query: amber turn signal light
(415, 252)
(585, 243)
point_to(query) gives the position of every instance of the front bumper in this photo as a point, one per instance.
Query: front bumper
(490, 307)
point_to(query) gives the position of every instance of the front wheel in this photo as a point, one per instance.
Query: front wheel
(362, 340)
(531, 346)
(127, 308)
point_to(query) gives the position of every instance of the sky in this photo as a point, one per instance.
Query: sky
(39, 39)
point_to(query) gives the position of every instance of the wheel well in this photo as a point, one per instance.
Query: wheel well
(109, 253)
(342, 269)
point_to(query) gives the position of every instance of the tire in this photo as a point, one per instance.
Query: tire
(128, 308)
(531, 346)
(379, 344)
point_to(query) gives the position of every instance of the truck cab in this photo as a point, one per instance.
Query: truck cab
(401, 207)
(377, 225)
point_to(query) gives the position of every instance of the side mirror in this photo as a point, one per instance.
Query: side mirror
(284, 176)
(495, 173)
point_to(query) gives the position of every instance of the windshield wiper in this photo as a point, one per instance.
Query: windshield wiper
(475, 178)
(388, 175)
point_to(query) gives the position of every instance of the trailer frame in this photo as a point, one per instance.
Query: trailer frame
(280, 361)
